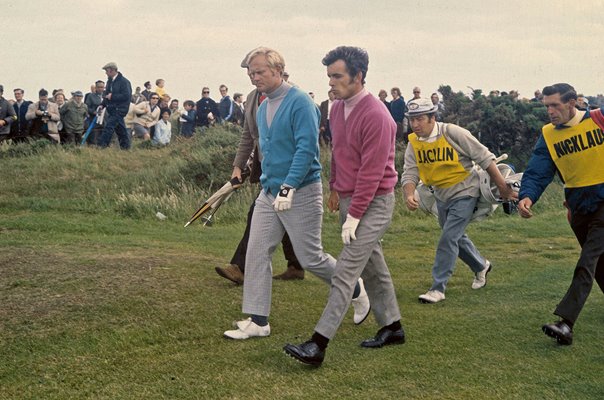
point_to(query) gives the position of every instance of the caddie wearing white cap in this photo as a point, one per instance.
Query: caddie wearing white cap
(442, 156)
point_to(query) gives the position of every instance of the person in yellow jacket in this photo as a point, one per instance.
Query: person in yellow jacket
(442, 156)
(572, 145)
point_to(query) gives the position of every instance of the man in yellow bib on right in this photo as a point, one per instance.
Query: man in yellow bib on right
(573, 146)
(442, 156)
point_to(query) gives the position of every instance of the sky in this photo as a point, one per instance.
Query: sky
(481, 44)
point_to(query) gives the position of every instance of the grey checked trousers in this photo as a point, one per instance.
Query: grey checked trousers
(362, 257)
(303, 225)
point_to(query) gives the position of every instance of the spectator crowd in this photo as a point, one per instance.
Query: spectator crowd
(153, 115)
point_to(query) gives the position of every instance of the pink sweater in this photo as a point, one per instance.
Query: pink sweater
(362, 163)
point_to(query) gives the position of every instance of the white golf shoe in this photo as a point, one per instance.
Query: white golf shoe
(247, 329)
(431, 297)
(361, 305)
(480, 280)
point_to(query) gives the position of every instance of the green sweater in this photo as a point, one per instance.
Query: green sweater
(73, 116)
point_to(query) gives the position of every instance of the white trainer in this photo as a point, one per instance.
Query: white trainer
(361, 305)
(247, 329)
(480, 280)
(431, 297)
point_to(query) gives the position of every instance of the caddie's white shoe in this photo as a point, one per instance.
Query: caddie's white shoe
(247, 329)
(431, 297)
(361, 305)
(480, 280)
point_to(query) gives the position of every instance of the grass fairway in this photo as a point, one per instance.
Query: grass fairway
(101, 300)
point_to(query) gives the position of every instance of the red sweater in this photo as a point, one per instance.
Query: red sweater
(362, 163)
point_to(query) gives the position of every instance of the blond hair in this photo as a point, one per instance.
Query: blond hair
(273, 58)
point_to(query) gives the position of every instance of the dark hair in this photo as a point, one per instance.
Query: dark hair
(97, 82)
(189, 103)
(166, 110)
(18, 90)
(43, 92)
(355, 58)
(395, 89)
(147, 84)
(237, 95)
(567, 92)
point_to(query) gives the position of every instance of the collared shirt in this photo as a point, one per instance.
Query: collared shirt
(573, 121)
(431, 137)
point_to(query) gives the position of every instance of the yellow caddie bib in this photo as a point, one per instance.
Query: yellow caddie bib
(437, 162)
(578, 152)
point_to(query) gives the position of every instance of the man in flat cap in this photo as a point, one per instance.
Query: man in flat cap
(73, 115)
(116, 100)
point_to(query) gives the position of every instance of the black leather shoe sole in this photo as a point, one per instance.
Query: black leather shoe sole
(293, 352)
(376, 343)
(560, 338)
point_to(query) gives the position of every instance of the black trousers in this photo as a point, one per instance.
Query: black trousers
(239, 256)
(589, 230)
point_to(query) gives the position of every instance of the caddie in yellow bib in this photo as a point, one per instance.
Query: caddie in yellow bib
(578, 152)
(572, 145)
(437, 162)
(443, 156)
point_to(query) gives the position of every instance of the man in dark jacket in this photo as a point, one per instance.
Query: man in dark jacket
(205, 106)
(571, 146)
(20, 128)
(398, 110)
(116, 100)
(93, 100)
(225, 106)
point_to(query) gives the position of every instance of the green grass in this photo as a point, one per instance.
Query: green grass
(101, 300)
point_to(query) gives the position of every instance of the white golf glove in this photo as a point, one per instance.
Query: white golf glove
(283, 201)
(349, 229)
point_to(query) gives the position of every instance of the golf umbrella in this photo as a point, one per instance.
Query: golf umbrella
(88, 131)
(213, 203)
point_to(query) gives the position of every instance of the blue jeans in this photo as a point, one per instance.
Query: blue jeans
(453, 217)
(115, 123)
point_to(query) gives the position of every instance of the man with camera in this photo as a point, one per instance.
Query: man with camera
(44, 116)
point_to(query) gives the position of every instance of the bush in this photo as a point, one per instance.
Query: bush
(501, 123)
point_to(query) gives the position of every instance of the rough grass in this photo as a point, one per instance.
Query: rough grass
(100, 303)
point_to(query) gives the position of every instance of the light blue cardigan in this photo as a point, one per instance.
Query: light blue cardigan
(290, 147)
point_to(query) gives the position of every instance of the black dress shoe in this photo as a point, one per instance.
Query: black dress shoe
(559, 331)
(307, 353)
(384, 337)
